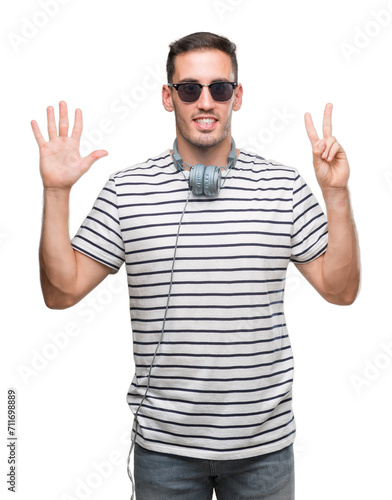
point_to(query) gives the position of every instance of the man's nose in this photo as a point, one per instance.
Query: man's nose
(205, 100)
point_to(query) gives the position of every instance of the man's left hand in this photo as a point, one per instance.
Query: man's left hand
(329, 158)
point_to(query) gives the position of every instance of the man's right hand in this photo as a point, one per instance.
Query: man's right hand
(60, 162)
(66, 274)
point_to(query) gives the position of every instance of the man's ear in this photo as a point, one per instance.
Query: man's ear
(167, 99)
(238, 92)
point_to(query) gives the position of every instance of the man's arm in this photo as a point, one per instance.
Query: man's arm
(66, 274)
(336, 273)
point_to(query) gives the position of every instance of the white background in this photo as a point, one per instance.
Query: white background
(73, 420)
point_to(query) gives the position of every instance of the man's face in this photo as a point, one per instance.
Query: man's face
(204, 123)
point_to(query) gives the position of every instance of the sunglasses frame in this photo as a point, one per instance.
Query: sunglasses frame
(201, 85)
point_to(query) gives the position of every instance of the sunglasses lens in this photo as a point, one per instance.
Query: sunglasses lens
(189, 92)
(222, 91)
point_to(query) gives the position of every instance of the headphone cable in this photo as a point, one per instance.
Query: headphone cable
(135, 422)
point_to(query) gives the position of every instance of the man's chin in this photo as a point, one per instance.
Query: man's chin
(205, 141)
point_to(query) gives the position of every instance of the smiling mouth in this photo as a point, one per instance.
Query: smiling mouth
(205, 121)
(205, 124)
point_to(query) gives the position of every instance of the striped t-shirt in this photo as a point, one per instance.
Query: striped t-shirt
(221, 384)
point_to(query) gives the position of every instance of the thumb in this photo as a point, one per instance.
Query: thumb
(93, 157)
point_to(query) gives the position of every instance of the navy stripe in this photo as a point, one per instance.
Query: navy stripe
(225, 343)
(198, 235)
(220, 258)
(106, 214)
(235, 306)
(206, 223)
(208, 355)
(209, 331)
(200, 201)
(131, 170)
(207, 414)
(226, 379)
(219, 403)
(205, 318)
(213, 426)
(218, 438)
(215, 270)
(102, 249)
(214, 282)
(213, 367)
(193, 294)
(200, 212)
(95, 257)
(99, 235)
(187, 445)
(193, 390)
(320, 252)
(227, 245)
(310, 234)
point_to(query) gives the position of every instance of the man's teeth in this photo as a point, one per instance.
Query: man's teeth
(205, 120)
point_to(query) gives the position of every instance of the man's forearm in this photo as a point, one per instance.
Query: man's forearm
(341, 264)
(56, 255)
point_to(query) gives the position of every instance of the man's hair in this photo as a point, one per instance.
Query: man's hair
(200, 41)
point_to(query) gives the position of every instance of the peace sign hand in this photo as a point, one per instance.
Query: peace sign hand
(329, 158)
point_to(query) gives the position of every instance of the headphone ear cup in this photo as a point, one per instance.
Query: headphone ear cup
(196, 179)
(212, 180)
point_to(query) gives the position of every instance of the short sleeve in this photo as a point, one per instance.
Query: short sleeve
(99, 236)
(309, 236)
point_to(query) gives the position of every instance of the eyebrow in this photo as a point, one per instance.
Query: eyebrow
(194, 80)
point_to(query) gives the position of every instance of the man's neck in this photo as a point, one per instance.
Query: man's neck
(213, 155)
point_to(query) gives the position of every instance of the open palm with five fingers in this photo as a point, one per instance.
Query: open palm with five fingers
(329, 158)
(60, 162)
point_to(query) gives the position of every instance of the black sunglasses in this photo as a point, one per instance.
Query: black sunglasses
(190, 92)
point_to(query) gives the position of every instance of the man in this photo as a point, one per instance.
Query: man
(206, 266)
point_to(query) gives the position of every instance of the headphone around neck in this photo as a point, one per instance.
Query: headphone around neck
(203, 179)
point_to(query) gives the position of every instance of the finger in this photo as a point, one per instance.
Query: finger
(52, 130)
(329, 143)
(327, 121)
(63, 122)
(318, 149)
(311, 131)
(334, 149)
(37, 134)
(78, 125)
(93, 157)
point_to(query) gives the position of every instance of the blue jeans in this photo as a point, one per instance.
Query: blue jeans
(159, 476)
